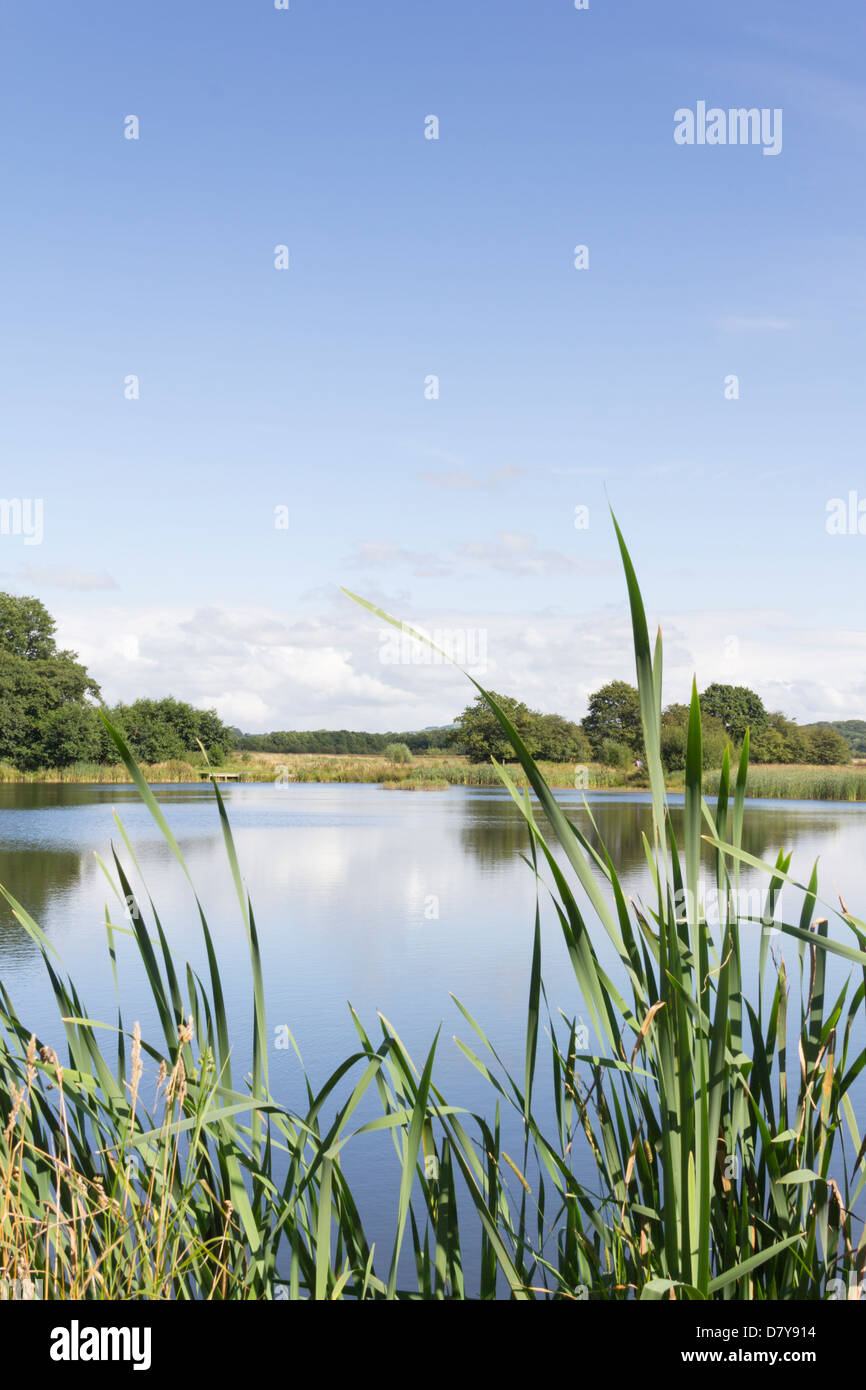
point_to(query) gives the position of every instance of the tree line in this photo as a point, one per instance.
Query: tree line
(611, 731)
(49, 718)
(49, 705)
(341, 741)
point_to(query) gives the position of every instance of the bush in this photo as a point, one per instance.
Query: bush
(826, 746)
(558, 740)
(673, 742)
(615, 754)
(398, 753)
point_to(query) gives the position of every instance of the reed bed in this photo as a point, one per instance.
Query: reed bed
(715, 1102)
(311, 767)
(413, 784)
(452, 771)
(175, 770)
(801, 782)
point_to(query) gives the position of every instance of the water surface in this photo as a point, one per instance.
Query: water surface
(391, 900)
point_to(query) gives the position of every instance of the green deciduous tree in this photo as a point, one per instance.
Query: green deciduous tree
(46, 695)
(852, 730)
(159, 730)
(558, 740)
(478, 734)
(826, 746)
(737, 707)
(69, 734)
(26, 629)
(614, 716)
(549, 737)
(779, 741)
(675, 738)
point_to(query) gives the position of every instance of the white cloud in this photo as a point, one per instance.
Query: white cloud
(269, 669)
(384, 554)
(516, 552)
(240, 709)
(263, 669)
(65, 577)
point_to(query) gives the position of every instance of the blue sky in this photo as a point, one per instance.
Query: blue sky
(452, 257)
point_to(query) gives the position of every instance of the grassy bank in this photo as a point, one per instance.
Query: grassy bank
(432, 771)
(421, 772)
(728, 1164)
(804, 782)
(89, 773)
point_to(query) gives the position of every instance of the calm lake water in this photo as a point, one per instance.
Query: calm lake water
(391, 900)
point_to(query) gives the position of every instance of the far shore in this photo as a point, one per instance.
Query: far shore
(794, 781)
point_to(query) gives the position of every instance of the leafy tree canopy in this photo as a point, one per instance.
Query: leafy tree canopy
(549, 737)
(48, 714)
(558, 740)
(26, 629)
(737, 707)
(479, 735)
(852, 730)
(159, 730)
(675, 738)
(45, 694)
(827, 746)
(614, 716)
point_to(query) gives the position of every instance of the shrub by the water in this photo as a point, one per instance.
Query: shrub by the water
(614, 754)
(398, 753)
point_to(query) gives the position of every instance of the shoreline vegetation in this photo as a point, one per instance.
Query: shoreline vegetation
(712, 1091)
(796, 782)
(53, 728)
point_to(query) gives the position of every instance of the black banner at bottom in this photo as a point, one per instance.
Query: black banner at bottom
(176, 1338)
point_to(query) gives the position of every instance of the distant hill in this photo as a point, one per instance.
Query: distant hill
(852, 730)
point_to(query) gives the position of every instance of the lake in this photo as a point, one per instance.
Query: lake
(390, 900)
